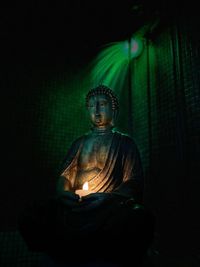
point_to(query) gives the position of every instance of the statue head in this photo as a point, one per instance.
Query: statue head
(102, 105)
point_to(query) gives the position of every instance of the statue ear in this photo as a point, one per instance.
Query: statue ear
(115, 113)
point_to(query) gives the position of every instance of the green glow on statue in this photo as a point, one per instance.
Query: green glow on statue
(63, 101)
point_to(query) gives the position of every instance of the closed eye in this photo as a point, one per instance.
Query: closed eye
(103, 103)
(91, 105)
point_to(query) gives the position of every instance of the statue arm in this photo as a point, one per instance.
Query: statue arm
(63, 183)
(132, 185)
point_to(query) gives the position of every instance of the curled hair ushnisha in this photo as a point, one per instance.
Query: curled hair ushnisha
(103, 90)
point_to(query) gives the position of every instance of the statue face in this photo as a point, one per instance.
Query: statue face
(100, 110)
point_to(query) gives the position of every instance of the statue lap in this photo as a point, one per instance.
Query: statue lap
(62, 232)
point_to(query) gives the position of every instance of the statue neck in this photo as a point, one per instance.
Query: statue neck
(102, 130)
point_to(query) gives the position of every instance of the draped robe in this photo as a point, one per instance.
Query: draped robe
(62, 231)
(122, 173)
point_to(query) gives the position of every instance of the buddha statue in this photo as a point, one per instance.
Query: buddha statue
(99, 193)
(106, 159)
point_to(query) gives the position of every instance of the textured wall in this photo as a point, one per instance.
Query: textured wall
(165, 97)
(44, 112)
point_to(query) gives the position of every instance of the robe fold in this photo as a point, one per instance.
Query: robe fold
(94, 229)
(122, 173)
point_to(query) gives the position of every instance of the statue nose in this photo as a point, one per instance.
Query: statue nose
(97, 109)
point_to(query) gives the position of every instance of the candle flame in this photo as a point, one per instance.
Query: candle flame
(85, 186)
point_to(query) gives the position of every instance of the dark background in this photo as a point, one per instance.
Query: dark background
(40, 42)
(45, 46)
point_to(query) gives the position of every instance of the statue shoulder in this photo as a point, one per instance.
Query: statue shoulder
(78, 141)
(126, 138)
(127, 143)
(71, 153)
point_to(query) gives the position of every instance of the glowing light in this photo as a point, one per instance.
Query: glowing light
(136, 47)
(85, 186)
(111, 65)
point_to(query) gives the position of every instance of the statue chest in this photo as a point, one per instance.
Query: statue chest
(94, 152)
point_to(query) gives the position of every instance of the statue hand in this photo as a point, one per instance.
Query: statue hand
(69, 198)
(94, 200)
(97, 197)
